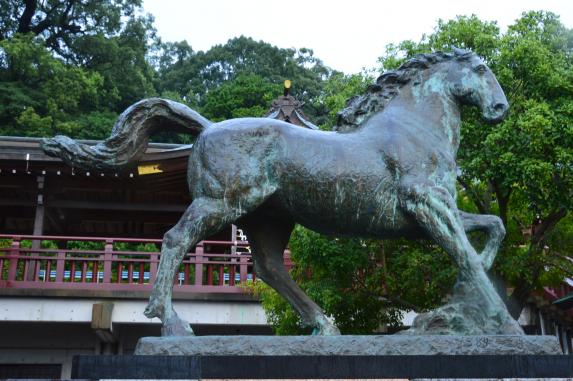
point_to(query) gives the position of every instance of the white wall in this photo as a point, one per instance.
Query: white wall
(28, 309)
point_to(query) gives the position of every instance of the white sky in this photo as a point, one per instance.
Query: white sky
(347, 35)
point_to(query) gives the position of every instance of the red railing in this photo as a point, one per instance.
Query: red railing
(120, 264)
(560, 291)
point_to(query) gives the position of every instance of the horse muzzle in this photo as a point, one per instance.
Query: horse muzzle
(496, 112)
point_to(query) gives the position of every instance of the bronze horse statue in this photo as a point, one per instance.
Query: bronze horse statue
(388, 171)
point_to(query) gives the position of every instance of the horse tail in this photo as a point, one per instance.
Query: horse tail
(129, 136)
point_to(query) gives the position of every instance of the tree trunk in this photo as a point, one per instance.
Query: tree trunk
(482, 202)
(502, 201)
(25, 22)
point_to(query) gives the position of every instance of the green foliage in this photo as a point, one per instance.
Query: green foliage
(482, 37)
(43, 94)
(193, 75)
(61, 23)
(396, 54)
(95, 124)
(362, 284)
(337, 90)
(247, 95)
(68, 66)
(121, 62)
(465, 32)
(105, 71)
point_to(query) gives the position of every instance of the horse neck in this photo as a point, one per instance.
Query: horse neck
(431, 103)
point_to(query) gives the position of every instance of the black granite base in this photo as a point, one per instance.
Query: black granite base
(436, 366)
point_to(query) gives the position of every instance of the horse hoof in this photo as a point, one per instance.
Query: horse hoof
(175, 326)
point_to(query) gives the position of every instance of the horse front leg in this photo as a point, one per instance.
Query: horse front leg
(475, 306)
(492, 226)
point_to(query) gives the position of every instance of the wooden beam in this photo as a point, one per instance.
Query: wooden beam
(40, 210)
(16, 202)
(102, 323)
(66, 204)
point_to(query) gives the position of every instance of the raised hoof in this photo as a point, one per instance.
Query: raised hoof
(175, 326)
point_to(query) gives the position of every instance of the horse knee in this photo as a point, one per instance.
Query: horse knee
(498, 226)
(171, 238)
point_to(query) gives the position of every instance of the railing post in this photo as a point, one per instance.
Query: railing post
(243, 268)
(31, 272)
(198, 264)
(233, 259)
(14, 254)
(107, 261)
(60, 267)
(153, 268)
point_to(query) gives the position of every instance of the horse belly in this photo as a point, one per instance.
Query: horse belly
(366, 213)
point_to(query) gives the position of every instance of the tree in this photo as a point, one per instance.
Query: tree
(337, 90)
(193, 74)
(40, 92)
(72, 66)
(247, 95)
(61, 22)
(121, 60)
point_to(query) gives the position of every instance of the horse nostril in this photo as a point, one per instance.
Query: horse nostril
(500, 107)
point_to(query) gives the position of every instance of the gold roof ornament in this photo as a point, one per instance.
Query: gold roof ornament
(288, 109)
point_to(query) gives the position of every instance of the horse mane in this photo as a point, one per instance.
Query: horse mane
(360, 107)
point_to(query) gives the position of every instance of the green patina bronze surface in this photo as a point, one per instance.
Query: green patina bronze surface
(388, 171)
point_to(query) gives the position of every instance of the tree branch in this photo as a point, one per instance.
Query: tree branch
(502, 201)
(62, 21)
(568, 271)
(45, 23)
(25, 22)
(547, 224)
(480, 203)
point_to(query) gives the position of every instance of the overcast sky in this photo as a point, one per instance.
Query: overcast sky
(347, 35)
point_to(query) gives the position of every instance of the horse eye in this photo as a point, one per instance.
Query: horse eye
(480, 69)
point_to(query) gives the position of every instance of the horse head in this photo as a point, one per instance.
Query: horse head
(473, 83)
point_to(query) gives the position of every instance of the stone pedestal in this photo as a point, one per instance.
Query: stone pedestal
(348, 345)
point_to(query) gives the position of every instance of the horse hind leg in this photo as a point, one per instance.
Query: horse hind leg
(268, 241)
(204, 217)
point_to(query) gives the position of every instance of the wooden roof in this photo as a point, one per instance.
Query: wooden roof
(79, 202)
